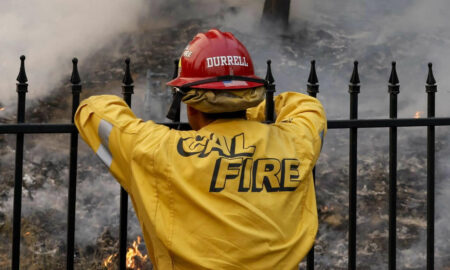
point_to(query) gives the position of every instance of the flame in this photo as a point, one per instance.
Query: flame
(134, 252)
(2, 109)
(27, 233)
(134, 257)
(109, 260)
(418, 114)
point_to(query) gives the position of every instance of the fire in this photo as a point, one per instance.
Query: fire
(27, 233)
(418, 114)
(108, 261)
(135, 259)
(2, 109)
(133, 253)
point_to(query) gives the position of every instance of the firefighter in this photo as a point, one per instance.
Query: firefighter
(233, 193)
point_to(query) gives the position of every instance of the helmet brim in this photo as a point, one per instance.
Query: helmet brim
(221, 85)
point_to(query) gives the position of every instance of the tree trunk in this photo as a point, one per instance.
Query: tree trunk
(276, 12)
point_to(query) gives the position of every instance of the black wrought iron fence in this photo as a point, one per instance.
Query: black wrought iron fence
(353, 124)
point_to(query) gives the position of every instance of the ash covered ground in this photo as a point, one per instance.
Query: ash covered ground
(152, 49)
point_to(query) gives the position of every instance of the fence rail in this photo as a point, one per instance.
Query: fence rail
(29, 128)
(353, 124)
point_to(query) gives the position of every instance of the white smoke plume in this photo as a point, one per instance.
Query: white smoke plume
(412, 33)
(51, 32)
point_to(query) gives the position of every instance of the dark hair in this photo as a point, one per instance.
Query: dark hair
(226, 115)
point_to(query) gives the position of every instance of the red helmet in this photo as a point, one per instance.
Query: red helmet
(216, 60)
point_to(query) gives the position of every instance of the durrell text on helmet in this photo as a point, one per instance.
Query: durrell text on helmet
(230, 60)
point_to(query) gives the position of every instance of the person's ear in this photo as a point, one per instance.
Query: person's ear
(191, 111)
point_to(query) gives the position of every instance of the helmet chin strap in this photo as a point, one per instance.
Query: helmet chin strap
(174, 110)
(182, 90)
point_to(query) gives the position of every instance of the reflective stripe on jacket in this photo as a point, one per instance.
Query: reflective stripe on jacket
(237, 194)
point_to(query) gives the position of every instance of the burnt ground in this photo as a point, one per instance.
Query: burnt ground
(46, 168)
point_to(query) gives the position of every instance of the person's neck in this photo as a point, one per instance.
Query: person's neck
(203, 122)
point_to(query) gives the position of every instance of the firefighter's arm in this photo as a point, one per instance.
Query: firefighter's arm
(110, 128)
(299, 112)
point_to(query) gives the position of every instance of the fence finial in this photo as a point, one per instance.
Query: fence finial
(75, 78)
(394, 87)
(22, 77)
(430, 86)
(355, 75)
(354, 86)
(393, 79)
(269, 76)
(175, 68)
(312, 79)
(312, 86)
(430, 78)
(270, 89)
(127, 79)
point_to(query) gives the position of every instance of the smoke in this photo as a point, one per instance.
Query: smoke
(45, 194)
(51, 32)
(442, 193)
(334, 32)
(412, 33)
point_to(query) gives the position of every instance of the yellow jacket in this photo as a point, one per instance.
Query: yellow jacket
(237, 194)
